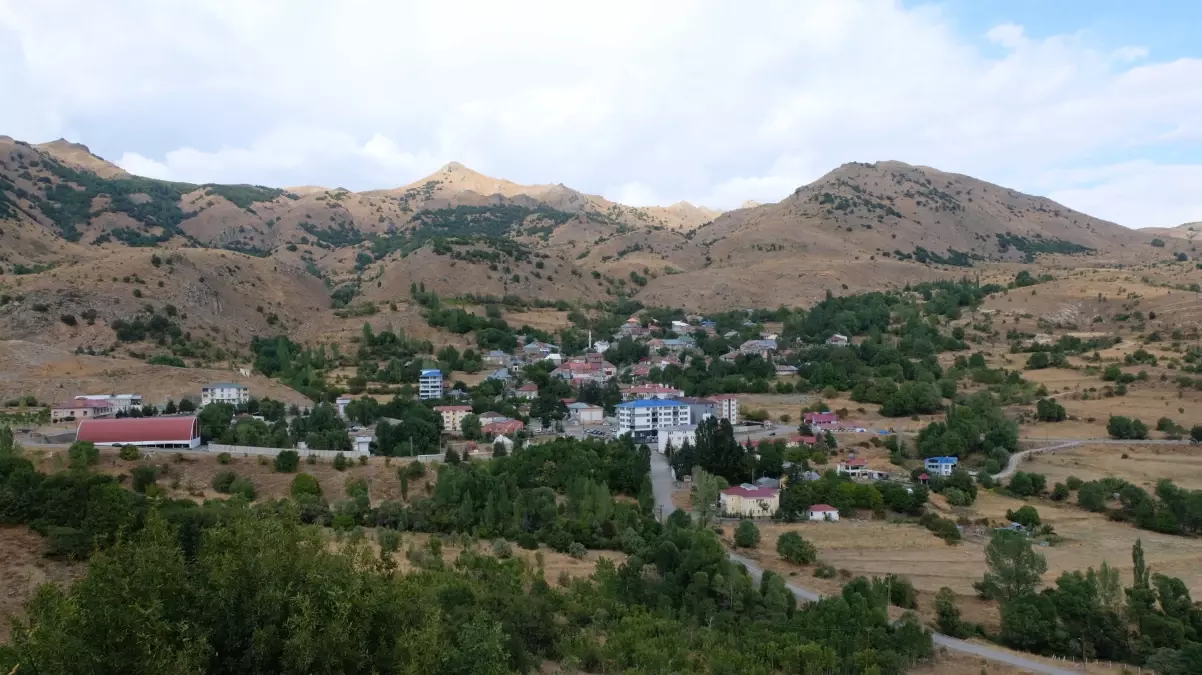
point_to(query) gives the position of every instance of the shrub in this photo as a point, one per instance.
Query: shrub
(1126, 428)
(1059, 492)
(747, 535)
(243, 487)
(68, 319)
(791, 547)
(143, 477)
(901, 592)
(223, 458)
(501, 549)
(82, 454)
(287, 461)
(528, 541)
(130, 453)
(577, 550)
(305, 484)
(1027, 516)
(1073, 483)
(388, 539)
(824, 571)
(223, 482)
(341, 462)
(948, 615)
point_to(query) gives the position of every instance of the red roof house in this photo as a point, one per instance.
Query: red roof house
(170, 432)
(820, 418)
(503, 428)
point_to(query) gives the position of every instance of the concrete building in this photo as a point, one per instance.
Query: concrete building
(528, 391)
(119, 402)
(342, 402)
(699, 409)
(651, 391)
(644, 419)
(585, 413)
(503, 428)
(225, 392)
(429, 385)
(749, 501)
(941, 466)
(823, 512)
(676, 436)
(853, 467)
(161, 432)
(837, 340)
(452, 417)
(728, 407)
(87, 409)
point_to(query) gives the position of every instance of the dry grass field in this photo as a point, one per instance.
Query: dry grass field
(1144, 464)
(553, 564)
(23, 568)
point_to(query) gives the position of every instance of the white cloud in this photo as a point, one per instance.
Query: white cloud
(707, 101)
(1136, 194)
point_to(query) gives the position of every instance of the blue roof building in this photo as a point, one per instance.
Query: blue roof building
(429, 384)
(941, 466)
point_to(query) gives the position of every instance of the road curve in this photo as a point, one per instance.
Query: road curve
(662, 485)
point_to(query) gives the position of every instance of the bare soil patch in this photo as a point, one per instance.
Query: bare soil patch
(23, 568)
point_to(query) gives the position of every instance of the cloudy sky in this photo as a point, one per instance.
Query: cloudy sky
(1095, 103)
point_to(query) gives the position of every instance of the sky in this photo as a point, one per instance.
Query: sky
(1094, 103)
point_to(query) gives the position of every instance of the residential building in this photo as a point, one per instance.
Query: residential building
(823, 512)
(225, 392)
(585, 413)
(500, 374)
(651, 391)
(118, 402)
(452, 417)
(528, 391)
(590, 367)
(728, 407)
(163, 432)
(86, 409)
(342, 402)
(507, 427)
(766, 482)
(853, 466)
(820, 419)
(601, 346)
(761, 348)
(644, 419)
(680, 326)
(784, 370)
(837, 340)
(750, 501)
(490, 417)
(941, 466)
(676, 437)
(496, 357)
(429, 385)
(699, 408)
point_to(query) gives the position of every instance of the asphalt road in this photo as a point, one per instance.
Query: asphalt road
(662, 486)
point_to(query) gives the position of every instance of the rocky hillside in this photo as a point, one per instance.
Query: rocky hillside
(1187, 231)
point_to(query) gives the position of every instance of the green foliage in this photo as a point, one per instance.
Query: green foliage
(1026, 515)
(747, 535)
(82, 454)
(341, 462)
(793, 548)
(1126, 428)
(287, 461)
(948, 615)
(305, 485)
(130, 453)
(1031, 247)
(1157, 243)
(1048, 410)
(1023, 484)
(142, 477)
(979, 425)
(223, 482)
(1014, 567)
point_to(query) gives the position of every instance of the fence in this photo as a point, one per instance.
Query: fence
(272, 452)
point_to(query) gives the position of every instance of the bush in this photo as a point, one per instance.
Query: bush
(143, 477)
(82, 454)
(901, 592)
(948, 615)
(388, 539)
(1024, 484)
(243, 487)
(1059, 492)
(130, 453)
(824, 571)
(1126, 428)
(305, 484)
(287, 461)
(577, 550)
(68, 319)
(223, 458)
(1027, 516)
(1073, 483)
(341, 462)
(747, 535)
(791, 547)
(528, 541)
(223, 482)
(501, 549)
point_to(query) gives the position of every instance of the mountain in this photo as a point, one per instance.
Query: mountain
(458, 231)
(1188, 231)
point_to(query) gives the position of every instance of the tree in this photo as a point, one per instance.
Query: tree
(186, 405)
(947, 614)
(1195, 433)
(82, 454)
(304, 484)
(1014, 567)
(130, 453)
(170, 408)
(341, 462)
(793, 548)
(706, 488)
(471, 427)
(287, 461)
(143, 477)
(1048, 410)
(1126, 428)
(1026, 515)
(1059, 492)
(747, 535)
(214, 420)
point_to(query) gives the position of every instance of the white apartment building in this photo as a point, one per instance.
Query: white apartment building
(676, 437)
(452, 417)
(646, 418)
(429, 385)
(728, 407)
(225, 392)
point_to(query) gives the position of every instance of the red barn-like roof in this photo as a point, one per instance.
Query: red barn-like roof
(823, 508)
(139, 430)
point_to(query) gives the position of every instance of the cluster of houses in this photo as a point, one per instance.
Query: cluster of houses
(762, 499)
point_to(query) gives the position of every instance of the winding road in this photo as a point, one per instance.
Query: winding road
(662, 486)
